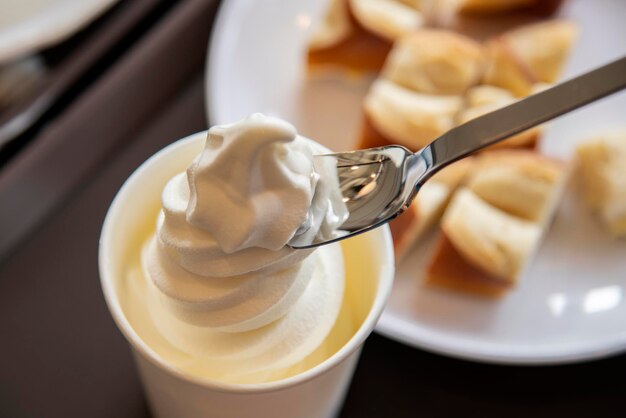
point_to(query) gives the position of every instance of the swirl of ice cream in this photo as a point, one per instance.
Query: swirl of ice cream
(226, 288)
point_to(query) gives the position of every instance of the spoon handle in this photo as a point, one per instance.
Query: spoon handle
(524, 114)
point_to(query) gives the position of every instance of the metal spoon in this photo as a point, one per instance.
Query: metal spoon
(379, 184)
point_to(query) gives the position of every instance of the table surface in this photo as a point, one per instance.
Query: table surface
(62, 356)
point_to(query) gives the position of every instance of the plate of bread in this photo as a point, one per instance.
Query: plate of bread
(516, 255)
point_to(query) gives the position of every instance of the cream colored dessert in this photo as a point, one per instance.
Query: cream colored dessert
(493, 226)
(216, 290)
(602, 174)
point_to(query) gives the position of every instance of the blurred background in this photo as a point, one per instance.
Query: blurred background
(88, 91)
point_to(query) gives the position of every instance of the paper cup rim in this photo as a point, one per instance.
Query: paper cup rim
(110, 295)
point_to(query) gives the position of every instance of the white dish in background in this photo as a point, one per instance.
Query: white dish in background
(570, 305)
(29, 25)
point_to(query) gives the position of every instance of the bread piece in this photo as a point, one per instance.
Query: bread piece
(435, 62)
(357, 34)
(407, 117)
(489, 238)
(525, 56)
(518, 182)
(333, 28)
(506, 69)
(493, 225)
(388, 19)
(340, 41)
(544, 47)
(601, 170)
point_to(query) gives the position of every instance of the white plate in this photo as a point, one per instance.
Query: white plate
(29, 25)
(569, 306)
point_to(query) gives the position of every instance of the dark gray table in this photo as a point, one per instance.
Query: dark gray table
(61, 354)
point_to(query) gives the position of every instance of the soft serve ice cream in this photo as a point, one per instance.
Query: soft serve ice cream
(217, 290)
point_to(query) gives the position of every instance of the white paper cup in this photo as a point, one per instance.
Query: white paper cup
(317, 392)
